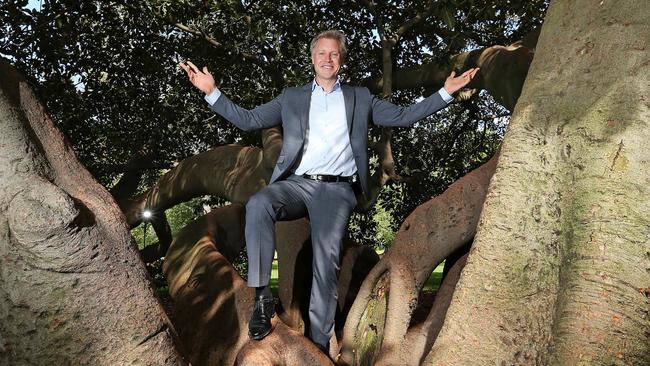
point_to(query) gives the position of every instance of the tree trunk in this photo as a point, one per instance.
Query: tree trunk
(73, 290)
(560, 267)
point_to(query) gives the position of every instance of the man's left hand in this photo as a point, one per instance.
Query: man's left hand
(454, 83)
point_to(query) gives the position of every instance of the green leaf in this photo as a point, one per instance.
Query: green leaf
(448, 17)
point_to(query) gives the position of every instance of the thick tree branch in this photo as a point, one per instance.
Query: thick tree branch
(232, 172)
(503, 71)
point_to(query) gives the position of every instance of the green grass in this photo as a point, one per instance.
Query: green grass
(432, 284)
(274, 277)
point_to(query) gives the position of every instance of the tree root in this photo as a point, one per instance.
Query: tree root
(433, 231)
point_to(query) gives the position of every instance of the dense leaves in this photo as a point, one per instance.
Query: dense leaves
(108, 73)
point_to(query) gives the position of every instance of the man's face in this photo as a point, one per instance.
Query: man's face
(326, 59)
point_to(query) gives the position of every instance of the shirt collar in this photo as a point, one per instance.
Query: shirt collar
(336, 87)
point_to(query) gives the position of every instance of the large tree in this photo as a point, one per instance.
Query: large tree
(561, 251)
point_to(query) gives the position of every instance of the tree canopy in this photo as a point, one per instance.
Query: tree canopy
(107, 71)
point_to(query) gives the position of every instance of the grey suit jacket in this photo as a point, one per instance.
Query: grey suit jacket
(291, 109)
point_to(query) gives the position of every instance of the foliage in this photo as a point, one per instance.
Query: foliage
(177, 216)
(107, 71)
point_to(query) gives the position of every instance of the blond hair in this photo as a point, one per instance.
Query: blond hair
(336, 35)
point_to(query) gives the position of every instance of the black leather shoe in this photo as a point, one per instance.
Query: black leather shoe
(260, 324)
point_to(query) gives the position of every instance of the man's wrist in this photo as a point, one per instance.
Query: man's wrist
(213, 96)
(445, 95)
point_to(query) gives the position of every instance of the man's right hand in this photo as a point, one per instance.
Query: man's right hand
(202, 79)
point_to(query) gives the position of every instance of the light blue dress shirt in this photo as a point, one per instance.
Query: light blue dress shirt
(327, 147)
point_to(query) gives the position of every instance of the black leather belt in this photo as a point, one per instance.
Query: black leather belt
(330, 178)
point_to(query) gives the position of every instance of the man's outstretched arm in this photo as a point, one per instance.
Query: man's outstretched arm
(388, 114)
(264, 116)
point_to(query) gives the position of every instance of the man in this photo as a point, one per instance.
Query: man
(324, 151)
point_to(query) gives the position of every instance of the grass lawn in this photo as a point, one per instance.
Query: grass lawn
(432, 284)
(274, 277)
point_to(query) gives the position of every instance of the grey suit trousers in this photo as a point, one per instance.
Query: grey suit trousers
(328, 205)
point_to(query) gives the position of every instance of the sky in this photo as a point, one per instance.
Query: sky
(34, 4)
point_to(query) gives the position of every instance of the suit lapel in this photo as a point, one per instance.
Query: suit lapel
(348, 99)
(304, 104)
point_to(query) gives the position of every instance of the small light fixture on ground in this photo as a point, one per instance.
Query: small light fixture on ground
(146, 215)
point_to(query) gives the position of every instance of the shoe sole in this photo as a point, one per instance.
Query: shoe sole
(259, 336)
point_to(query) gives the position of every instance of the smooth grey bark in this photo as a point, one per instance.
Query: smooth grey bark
(73, 290)
(560, 266)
